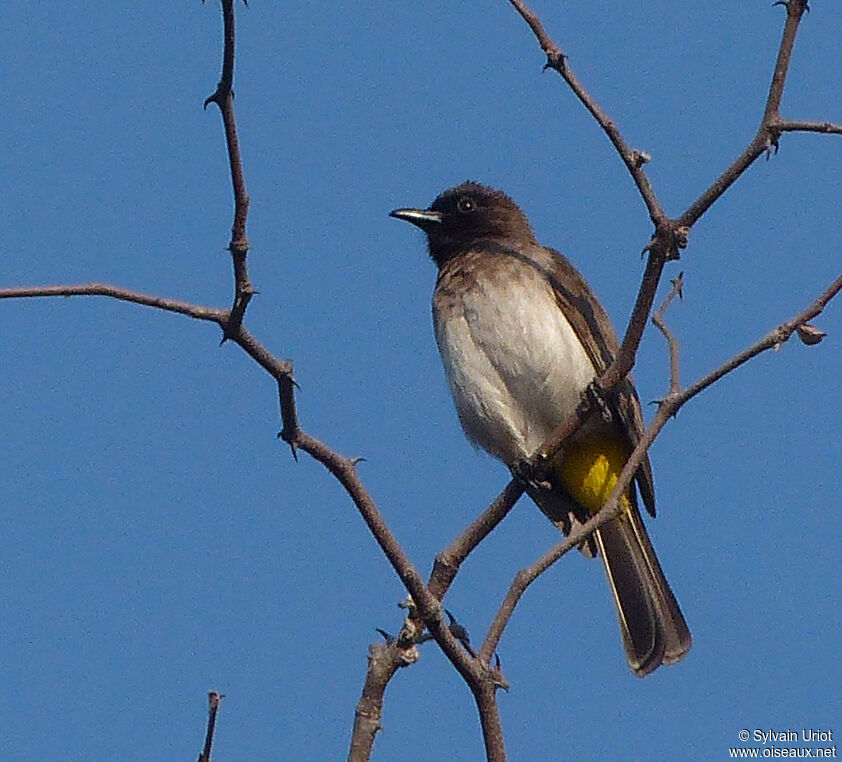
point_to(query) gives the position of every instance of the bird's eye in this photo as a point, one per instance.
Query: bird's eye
(465, 205)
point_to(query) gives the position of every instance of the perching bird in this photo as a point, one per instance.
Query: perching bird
(521, 335)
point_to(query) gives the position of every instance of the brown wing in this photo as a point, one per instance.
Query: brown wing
(593, 327)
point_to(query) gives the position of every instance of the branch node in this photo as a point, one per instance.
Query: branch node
(670, 402)
(555, 60)
(809, 334)
(498, 679)
(639, 158)
(772, 142)
(681, 238)
(289, 437)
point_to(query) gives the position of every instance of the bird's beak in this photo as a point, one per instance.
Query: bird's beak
(422, 218)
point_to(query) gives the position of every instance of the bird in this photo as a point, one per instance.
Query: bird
(521, 336)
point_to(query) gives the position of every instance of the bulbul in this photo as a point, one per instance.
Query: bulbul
(521, 335)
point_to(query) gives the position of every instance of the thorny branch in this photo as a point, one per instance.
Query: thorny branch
(671, 235)
(223, 97)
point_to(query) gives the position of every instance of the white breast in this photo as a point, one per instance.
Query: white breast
(514, 365)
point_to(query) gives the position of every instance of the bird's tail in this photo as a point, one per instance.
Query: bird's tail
(653, 627)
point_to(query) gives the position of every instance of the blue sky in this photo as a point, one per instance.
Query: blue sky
(159, 541)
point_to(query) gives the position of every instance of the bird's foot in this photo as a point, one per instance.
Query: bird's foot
(531, 474)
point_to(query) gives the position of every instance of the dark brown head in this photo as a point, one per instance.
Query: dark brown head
(462, 216)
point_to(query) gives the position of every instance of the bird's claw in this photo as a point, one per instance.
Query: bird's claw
(530, 475)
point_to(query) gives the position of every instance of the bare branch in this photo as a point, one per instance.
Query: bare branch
(447, 562)
(384, 659)
(660, 324)
(214, 700)
(766, 138)
(429, 608)
(489, 716)
(790, 125)
(219, 317)
(773, 340)
(239, 245)
(633, 159)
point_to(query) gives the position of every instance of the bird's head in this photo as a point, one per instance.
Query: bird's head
(462, 216)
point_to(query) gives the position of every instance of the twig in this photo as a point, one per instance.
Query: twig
(123, 294)
(447, 562)
(634, 160)
(214, 700)
(660, 324)
(239, 245)
(766, 138)
(383, 661)
(790, 125)
(773, 340)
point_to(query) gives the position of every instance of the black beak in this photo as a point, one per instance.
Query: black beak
(422, 218)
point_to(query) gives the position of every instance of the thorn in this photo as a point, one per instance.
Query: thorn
(386, 636)
(355, 460)
(289, 439)
(786, 3)
(678, 284)
(458, 630)
(460, 633)
(499, 680)
(646, 249)
(810, 335)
